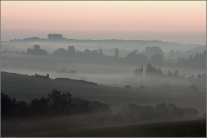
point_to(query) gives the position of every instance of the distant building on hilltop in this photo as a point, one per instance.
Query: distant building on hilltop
(42, 77)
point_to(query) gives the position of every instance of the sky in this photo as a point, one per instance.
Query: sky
(171, 21)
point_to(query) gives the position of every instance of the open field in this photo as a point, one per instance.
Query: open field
(194, 128)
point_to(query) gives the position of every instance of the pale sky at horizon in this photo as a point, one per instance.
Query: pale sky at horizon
(175, 21)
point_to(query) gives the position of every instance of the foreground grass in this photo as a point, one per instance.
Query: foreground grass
(193, 128)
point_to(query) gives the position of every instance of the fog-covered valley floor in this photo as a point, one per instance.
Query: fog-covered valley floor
(117, 86)
(99, 71)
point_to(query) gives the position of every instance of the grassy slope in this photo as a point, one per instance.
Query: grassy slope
(26, 88)
(175, 129)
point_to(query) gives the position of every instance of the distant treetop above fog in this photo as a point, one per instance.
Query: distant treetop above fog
(150, 51)
(32, 39)
(36, 50)
(54, 36)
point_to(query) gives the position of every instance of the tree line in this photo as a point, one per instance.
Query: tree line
(197, 61)
(151, 55)
(57, 103)
(152, 70)
(136, 113)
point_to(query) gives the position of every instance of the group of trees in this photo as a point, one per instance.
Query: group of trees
(192, 52)
(197, 61)
(139, 72)
(176, 53)
(86, 54)
(199, 76)
(56, 103)
(36, 50)
(150, 51)
(156, 56)
(54, 36)
(152, 55)
(71, 52)
(136, 58)
(175, 74)
(136, 113)
(151, 70)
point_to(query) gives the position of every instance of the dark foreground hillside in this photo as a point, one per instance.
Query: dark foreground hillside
(195, 128)
(26, 88)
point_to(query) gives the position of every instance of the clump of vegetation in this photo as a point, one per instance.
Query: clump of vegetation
(56, 103)
(59, 111)
(127, 86)
(194, 88)
(136, 113)
(153, 71)
(197, 61)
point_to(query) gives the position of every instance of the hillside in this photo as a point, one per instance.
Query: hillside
(26, 88)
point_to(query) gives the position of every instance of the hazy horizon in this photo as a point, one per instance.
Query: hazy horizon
(172, 21)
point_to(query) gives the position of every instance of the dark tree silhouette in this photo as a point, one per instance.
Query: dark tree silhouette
(100, 53)
(71, 51)
(138, 72)
(175, 111)
(135, 113)
(176, 74)
(60, 103)
(7, 105)
(55, 36)
(56, 103)
(162, 110)
(137, 58)
(194, 88)
(39, 106)
(116, 53)
(150, 70)
(36, 50)
(127, 87)
(198, 76)
(60, 52)
(131, 56)
(157, 59)
(191, 112)
(197, 62)
(170, 74)
(150, 51)
(147, 113)
(204, 76)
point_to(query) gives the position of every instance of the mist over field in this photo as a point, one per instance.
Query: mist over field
(103, 72)
(112, 81)
(125, 46)
(129, 68)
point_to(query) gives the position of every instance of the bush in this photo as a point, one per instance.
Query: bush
(7, 105)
